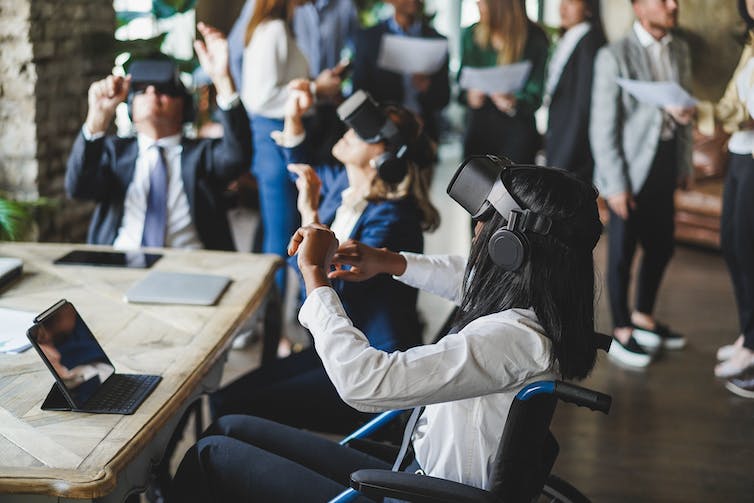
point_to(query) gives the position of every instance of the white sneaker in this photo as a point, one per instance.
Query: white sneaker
(741, 361)
(661, 336)
(726, 352)
(631, 354)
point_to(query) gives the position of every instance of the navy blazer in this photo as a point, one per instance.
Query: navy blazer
(567, 139)
(101, 171)
(386, 86)
(383, 308)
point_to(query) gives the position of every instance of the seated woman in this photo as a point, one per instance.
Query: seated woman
(359, 204)
(526, 313)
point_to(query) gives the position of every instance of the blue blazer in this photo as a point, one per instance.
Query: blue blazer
(101, 171)
(383, 308)
(386, 86)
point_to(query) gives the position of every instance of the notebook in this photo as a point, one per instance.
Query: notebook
(10, 269)
(160, 287)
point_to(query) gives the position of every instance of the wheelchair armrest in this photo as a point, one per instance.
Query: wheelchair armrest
(583, 397)
(416, 488)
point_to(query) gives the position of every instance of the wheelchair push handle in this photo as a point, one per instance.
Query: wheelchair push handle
(583, 397)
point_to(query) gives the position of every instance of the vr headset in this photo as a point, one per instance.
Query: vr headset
(480, 187)
(163, 74)
(361, 113)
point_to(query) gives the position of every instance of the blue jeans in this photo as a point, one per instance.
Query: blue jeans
(277, 192)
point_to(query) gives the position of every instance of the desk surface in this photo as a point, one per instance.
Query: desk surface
(79, 455)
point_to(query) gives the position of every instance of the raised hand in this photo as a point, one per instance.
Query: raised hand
(300, 98)
(213, 56)
(104, 97)
(309, 188)
(365, 262)
(315, 245)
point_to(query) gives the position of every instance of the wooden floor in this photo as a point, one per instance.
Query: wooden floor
(674, 432)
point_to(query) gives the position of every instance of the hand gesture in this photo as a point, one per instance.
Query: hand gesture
(213, 56)
(681, 115)
(506, 103)
(475, 98)
(104, 97)
(309, 187)
(300, 98)
(365, 262)
(315, 245)
(621, 204)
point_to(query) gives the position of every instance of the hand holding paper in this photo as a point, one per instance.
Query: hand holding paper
(412, 55)
(505, 79)
(661, 94)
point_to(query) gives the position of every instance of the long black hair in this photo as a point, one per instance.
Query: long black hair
(558, 279)
(595, 18)
(744, 12)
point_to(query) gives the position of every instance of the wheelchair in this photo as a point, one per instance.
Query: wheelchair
(522, 465)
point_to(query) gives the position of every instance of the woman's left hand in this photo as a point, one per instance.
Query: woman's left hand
(213, 57)
(506, 103)
(315, 245)
(309, 187)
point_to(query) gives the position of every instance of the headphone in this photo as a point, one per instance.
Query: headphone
(509, 247)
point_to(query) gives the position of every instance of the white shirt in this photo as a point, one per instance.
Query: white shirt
(181, 232)
(270, 61)
(742, 142)
(467, 380)
(348, 213)
(661, 67)
(562, 54)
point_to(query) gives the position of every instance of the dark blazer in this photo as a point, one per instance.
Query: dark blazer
(387, 86)
(101, 171)
(383, 308)
(567, 138)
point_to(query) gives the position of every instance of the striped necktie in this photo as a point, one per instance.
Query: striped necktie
(156, 216)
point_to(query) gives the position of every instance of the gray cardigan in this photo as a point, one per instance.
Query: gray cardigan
(624, 133)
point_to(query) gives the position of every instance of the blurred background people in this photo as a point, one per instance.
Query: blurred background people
(568, 89)
(425, 95)
(642, 153)
(503, 124)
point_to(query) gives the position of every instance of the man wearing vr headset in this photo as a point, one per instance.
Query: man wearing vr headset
(526, 313)
(160, 188)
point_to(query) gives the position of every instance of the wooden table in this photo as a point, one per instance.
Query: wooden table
(89, 456)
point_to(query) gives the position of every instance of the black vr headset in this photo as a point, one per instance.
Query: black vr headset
(163, 74)
(480, 187)
(362, 113)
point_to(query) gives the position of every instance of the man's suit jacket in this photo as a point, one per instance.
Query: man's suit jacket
(567, 137)
(101, 171)
(625, 133)
(386, 86)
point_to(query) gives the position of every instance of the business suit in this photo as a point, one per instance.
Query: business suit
(629, 156)
(296, 390)
(101, 170)
(567, 138)
(386, 86)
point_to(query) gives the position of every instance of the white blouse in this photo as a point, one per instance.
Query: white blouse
(270, 61)
(467, 380)
(742, 142)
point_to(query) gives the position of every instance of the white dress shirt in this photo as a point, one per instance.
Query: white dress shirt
(181, 232)
(562, 54)
(742, 142)
(270, 61)
(661, 67)
(348, 213)
(467, 380)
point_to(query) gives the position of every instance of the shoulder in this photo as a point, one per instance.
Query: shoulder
(429, 32)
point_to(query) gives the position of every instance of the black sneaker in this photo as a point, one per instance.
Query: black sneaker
(631, 354)
(742, 385)
(661, 336)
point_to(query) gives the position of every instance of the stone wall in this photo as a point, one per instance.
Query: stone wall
(51, 52)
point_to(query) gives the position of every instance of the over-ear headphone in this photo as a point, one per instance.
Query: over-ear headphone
(392, 165)
(509, 247)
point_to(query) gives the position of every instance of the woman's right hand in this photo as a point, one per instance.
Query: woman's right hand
(365, 262)
(475, 98)
(300, 98)
(309, 187)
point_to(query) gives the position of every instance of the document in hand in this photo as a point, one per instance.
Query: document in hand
(661, 94)
(505, 79)
(412, 54)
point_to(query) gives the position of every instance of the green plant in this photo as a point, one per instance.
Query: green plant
(16, 217)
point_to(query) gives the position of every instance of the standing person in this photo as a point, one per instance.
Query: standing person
(516, 325)
(271, 60)
(733, 111)
(568, 89)
(160, 188)
(642, 153)
(425, 95)
(503, 124)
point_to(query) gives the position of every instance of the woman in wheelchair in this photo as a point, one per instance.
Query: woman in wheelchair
(526, 314)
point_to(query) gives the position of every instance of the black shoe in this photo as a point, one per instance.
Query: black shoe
(661, 336)
(742, 385)
(629, 354)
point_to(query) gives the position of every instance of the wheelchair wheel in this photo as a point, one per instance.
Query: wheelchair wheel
(560, 491)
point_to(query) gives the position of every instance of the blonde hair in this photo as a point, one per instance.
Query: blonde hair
(269, 9)
(507, 23)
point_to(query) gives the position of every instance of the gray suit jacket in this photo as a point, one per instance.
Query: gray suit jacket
(623, 132)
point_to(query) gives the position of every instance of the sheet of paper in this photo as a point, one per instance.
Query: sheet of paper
(506, 79)
(412, 54)
(661, 94)
(13, 327)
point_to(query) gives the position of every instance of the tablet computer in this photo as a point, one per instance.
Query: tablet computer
(136, 259)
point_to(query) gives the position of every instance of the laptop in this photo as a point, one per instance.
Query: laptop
(160, 287)
(85, 378)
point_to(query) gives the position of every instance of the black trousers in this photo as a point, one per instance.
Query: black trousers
(243, 458)
(650, 225)
(737, 238)
(294, 391)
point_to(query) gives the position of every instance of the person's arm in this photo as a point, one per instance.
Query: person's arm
(731, 110)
